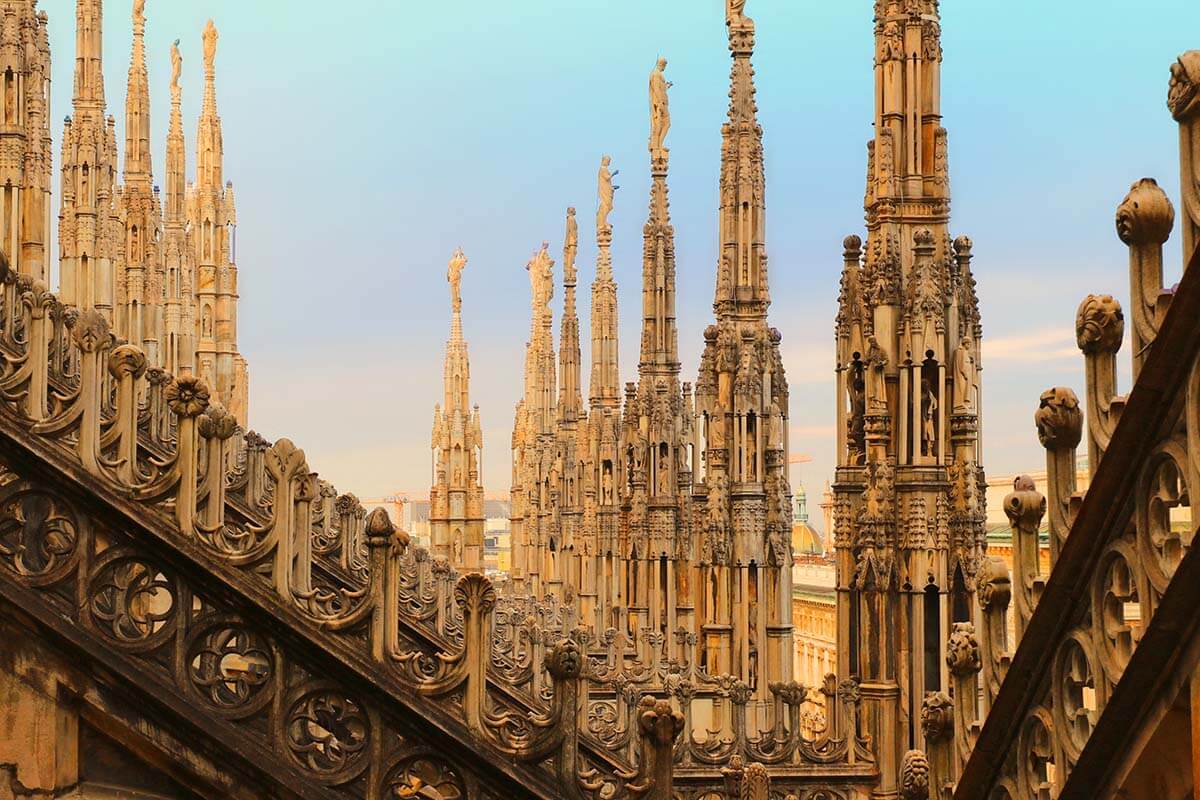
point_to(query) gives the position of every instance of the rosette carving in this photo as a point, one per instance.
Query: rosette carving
(187, 396)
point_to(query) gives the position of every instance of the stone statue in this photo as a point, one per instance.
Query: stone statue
(929, 405)
(876, 384)
(606, 191)
(454, 275)
(570, 246)
(541, 277)
(964, 377)
(660, 114)
(735, 12)
(139, 13)
(1183, 98)
(210, 45)
(176, 64)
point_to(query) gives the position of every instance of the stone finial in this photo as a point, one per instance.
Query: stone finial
(1183, 95)
(187, 396)
(126, 360)
(914, 776)
(995, 584)
(1146, 215)
(474, 592)
(1025, 505)
(937, 716)
(1059, 419)
(216, 423)
(379, 526)
(853, 248)
(962, 650)
(658, 720)
(565, 661)
(91, 331)
(962, 246)
(1099, 324)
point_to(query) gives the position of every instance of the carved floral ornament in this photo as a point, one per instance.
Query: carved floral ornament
(1146, 215)
(1099, 324)
(1183, 96)
(187, 396)
(1059, 419)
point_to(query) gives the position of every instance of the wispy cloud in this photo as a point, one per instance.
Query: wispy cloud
(813, 431)
(1051, 344)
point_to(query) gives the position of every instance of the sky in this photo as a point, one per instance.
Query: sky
(368, 140)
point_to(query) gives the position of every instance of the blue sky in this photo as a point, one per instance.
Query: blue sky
(369, 139)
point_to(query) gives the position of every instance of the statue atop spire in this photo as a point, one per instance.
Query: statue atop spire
(570, 247)
(210, 46)
(458, 263)
(139, 15)
(176, 65)
(660, 113)
(606, 191)
(735, 14)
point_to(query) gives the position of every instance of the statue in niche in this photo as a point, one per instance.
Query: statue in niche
(964, 377)
(929, 405)
(606, 484)
(206, 321)
(716, 432)
(458, 263)
(664, 476)
(876, 383)
(751, 454)
(660, 114)
(457, 547)
(606, 191)
(176, 64)
(855, 424)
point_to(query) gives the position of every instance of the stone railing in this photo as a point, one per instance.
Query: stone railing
(524, 687)
(1105, 639)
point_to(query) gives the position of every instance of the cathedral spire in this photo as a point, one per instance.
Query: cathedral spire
(210, 154)
(175, 210)
(570, 402)
(606, 381)
(137, 106)
(660, 339)
(742, 271)
(87, 220)
(89, 57)
(456, 497)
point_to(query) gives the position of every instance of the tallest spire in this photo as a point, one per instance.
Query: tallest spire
(210, 155)
(742, 272)
(89, 61)
(137, 105)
